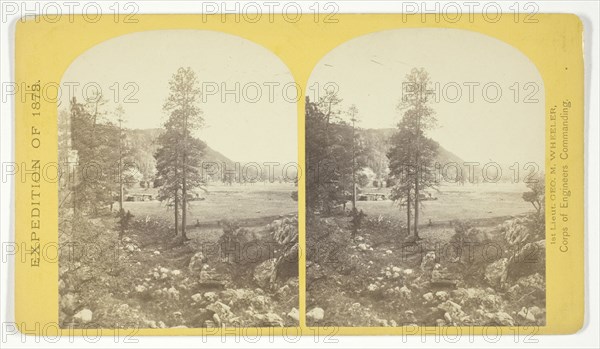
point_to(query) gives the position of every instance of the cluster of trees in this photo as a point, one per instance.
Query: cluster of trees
(108, 155)
(334, 154)
(105, 158)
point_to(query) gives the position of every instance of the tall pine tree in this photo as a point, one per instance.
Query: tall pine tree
(412, 154)
(179, 156)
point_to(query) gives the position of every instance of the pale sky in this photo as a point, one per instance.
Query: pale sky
(369, 71)
(254, 128)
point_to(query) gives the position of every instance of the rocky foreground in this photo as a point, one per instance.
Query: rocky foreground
(456, 276)
(148, 279)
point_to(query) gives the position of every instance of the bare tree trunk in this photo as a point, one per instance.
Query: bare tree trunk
(183, 181)
(184, 202)
(408, 212)
(176, 212)
(353, 168)
(120, 166)
(416, 231)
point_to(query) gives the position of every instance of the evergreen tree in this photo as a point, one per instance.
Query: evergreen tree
(412, 153)
(180, 152)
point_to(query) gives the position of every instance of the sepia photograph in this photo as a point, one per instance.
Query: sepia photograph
(425, 187)
(179, 191)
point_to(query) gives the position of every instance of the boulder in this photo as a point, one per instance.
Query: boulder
(526, 314)
(528, 259)
(501, 318)
(428, 297)
(496, 273)
(405, 292)
(210, 296)
(268, 320)
(442, 295)
(315, 314)
(196, 262)
(454, 312)
(428, 261)
(515, 231)
(83, 317)
(294, 314)
(264, 273)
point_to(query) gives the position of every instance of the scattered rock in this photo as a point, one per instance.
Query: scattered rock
(197, 297)
(156, 253)
(61, 286)
(264, 273)
(526, 314)
(428, 297)
(428, 261)
(388, 252)
(196, 262)
(362, 247)
(316, 314)
(454, 311)
(381, 322)
(442, 295)
(495, 273)
(269, 319)
(294, 314)
(173, 293)
(501, 318)
(83, 317)
(210, 296)
(150, 324)
(515, 231)
(68, 303)
(405, 292)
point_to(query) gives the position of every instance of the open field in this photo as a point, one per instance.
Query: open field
(468, 202)
(250, 205)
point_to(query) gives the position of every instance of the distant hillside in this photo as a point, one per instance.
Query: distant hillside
(143, 141)
(377, 144)
(147, 138)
